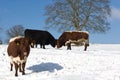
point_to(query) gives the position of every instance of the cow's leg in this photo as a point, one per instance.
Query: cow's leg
(40, 45)
(23, 68)
(85, 47)
(20, 68)
(11, 65)
(68, 46)
(36, 45)
(16, 69)
(43, 46)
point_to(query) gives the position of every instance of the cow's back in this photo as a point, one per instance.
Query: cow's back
(79, 35)
(31, 33)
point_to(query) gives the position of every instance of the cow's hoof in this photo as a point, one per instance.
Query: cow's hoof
(23, 73)
(16, 75)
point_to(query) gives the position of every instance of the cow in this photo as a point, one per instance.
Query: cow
(18, 50)
(40, 37)
(69, 37)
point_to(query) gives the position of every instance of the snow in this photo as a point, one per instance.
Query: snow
(99, 62)
(79, 31)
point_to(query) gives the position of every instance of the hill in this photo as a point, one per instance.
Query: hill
(99, 62)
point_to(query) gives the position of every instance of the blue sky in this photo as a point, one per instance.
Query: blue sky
(29, 13)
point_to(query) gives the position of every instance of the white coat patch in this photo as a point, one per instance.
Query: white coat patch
(17, 60)
(85, 41)
(12, 39)
(79, 31)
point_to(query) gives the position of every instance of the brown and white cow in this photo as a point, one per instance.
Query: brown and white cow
(18, 51)
(73, 36)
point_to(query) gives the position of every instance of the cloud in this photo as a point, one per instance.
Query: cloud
(115, 13)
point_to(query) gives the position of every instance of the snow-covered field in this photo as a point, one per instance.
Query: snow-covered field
(99, 62)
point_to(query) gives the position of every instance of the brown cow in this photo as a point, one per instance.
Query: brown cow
(18, 51)
(73, 36)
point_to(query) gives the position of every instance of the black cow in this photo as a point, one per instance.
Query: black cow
(40, 37)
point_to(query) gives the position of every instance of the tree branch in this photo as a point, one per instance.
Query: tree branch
(88, 14)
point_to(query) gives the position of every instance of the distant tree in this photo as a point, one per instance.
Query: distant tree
(0, 35)
(17, 30)
(90, 15)
(1, 42)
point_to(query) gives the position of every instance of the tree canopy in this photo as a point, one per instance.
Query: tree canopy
(17, 30)
(89, 15)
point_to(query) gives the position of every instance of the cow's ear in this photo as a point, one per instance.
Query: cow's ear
(17, 42)
(32, 43)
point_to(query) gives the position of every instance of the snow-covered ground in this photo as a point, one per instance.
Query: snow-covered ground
(99, 62)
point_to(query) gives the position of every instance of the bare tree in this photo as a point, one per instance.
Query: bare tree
(17, 30)
(90, 15)
(1, 29)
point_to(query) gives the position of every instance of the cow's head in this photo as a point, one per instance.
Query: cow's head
(59, 44)
(24, 45)
(53, 43)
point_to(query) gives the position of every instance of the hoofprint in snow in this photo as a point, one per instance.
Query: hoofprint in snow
(99, 62)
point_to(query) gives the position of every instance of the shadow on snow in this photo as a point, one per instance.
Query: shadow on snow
(45, 67)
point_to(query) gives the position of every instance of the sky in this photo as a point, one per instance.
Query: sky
(30, 14)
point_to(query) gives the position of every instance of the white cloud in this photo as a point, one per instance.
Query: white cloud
(115, 13)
